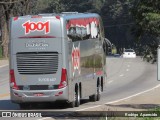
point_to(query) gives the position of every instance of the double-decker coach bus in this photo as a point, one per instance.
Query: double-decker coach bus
(56, 57)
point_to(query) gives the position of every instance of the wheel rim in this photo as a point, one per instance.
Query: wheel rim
(98, 93)
(78, 96)
(99, 90)
(77, 99)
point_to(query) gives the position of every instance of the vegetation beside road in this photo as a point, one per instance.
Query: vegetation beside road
(0, 52)
(128, 23)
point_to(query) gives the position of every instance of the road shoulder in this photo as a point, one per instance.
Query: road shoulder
(4, 62)
(148, 100)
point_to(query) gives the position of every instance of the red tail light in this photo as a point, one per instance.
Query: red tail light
(63, 82)
(12, 80)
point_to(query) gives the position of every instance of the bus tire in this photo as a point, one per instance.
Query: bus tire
(76, 101)
(98, 92)
(97, 96)
(77, 98)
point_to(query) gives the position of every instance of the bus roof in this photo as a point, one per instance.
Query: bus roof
(65, 15)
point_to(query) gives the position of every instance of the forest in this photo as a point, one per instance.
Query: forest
(127, 23)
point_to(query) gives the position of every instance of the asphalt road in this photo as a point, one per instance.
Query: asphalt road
(126, 77)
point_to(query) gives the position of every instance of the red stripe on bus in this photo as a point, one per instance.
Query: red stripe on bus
(37, 37)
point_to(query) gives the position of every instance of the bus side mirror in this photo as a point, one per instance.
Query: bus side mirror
(105, 49)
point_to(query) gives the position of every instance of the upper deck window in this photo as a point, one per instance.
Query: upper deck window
(82, 29)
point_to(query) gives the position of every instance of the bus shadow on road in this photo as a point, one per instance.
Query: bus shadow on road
(56, 105)
(8, 105)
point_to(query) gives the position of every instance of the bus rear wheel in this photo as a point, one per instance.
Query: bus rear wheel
(97, 96)
(98, 92)
(76, 101)
(77, 98)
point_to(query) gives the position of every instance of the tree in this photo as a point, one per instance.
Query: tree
(9, 9)
(147, 16)
(147, 29)
(118, 22)
(49, 6)
(58, 6)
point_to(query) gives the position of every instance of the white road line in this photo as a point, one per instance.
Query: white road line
(3, 66)
(44, 118)
(123, 98)
(127, 70)
(133, 95)
(128, 65)
(121, 75)
(110, 82)
(113, 101)
(88, 108)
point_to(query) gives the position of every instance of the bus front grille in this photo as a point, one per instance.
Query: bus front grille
(37, 62)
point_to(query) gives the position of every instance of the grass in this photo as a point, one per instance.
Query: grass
(4, 58)
(150, 111)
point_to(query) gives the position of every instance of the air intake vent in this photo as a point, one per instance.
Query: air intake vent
(37, 62)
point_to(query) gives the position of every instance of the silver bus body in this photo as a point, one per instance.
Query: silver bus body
(54, 55)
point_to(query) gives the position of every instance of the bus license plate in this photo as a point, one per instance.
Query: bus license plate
(38, 94)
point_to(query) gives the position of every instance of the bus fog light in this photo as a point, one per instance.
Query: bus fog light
(59, 93)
